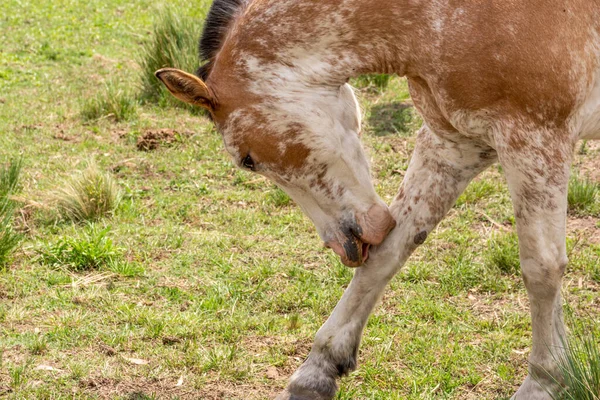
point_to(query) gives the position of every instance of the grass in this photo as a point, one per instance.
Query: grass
(88, 250)
(584, 196)
(580, 366)
(9, 239)
(9, 178)
(373, 82)
(114, 102)
(17, 375)
(87, 195)
(213, 275)
(9, 183)
(172, 43)
(503, 253)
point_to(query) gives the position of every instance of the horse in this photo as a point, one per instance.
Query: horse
(514, 82)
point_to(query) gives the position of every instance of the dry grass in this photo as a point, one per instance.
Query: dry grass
(87, 195)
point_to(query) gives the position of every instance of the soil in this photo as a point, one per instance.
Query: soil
(153, 139)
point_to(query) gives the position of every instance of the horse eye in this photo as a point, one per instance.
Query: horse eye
(248, 163)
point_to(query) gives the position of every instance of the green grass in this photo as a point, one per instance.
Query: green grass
(213, 275)
(374, 82)
(172, 43)
(17, 376)
(90, 249)
(580, 366)
(9, 178)
(9, 184)
(584, 196)
(503, 253)
(115, 102)
(9, 239)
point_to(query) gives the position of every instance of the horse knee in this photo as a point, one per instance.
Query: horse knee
(544, 272)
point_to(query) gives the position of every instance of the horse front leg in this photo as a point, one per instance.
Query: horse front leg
(438, 173)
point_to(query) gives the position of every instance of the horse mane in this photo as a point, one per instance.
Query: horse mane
(217, 24)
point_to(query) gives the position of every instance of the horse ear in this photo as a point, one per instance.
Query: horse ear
(186, 87)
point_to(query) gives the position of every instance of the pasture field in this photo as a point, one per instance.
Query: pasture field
(208, 282)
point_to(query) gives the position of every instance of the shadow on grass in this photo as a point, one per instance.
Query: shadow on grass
(394, 118)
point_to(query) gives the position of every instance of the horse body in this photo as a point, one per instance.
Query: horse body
(502, 80)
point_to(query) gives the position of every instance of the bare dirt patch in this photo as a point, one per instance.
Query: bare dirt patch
(219, 391)
(585, 227)
(588, 164)
(153, 139)
(141, 388)
(107, 388)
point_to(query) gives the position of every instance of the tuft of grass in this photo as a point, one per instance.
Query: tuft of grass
(141, 396)
(372, 82)
(9, 239)
(9, 178)
(596, 272)
(115, 102)
(583, 196)
(38, 345)
(87, 196)
(172, 43)
(9, 182)
(579, 365)
(503, 253)
(18, 374)
(89, 250)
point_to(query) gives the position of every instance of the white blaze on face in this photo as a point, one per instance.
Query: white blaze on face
(333, 184)
(336, 183)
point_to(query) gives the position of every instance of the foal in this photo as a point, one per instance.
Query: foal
(499, 80)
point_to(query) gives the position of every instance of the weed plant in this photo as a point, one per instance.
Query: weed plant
(87, 250)
(9, 239)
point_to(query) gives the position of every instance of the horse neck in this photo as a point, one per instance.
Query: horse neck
(327, 41)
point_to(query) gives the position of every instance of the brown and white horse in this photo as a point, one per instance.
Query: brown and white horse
(496, 80)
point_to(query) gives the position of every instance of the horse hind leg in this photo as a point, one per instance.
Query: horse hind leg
(538, 174)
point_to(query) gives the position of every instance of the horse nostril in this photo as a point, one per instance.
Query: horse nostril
(356, 230)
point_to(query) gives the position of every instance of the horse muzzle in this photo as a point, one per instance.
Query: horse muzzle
(368, 229)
